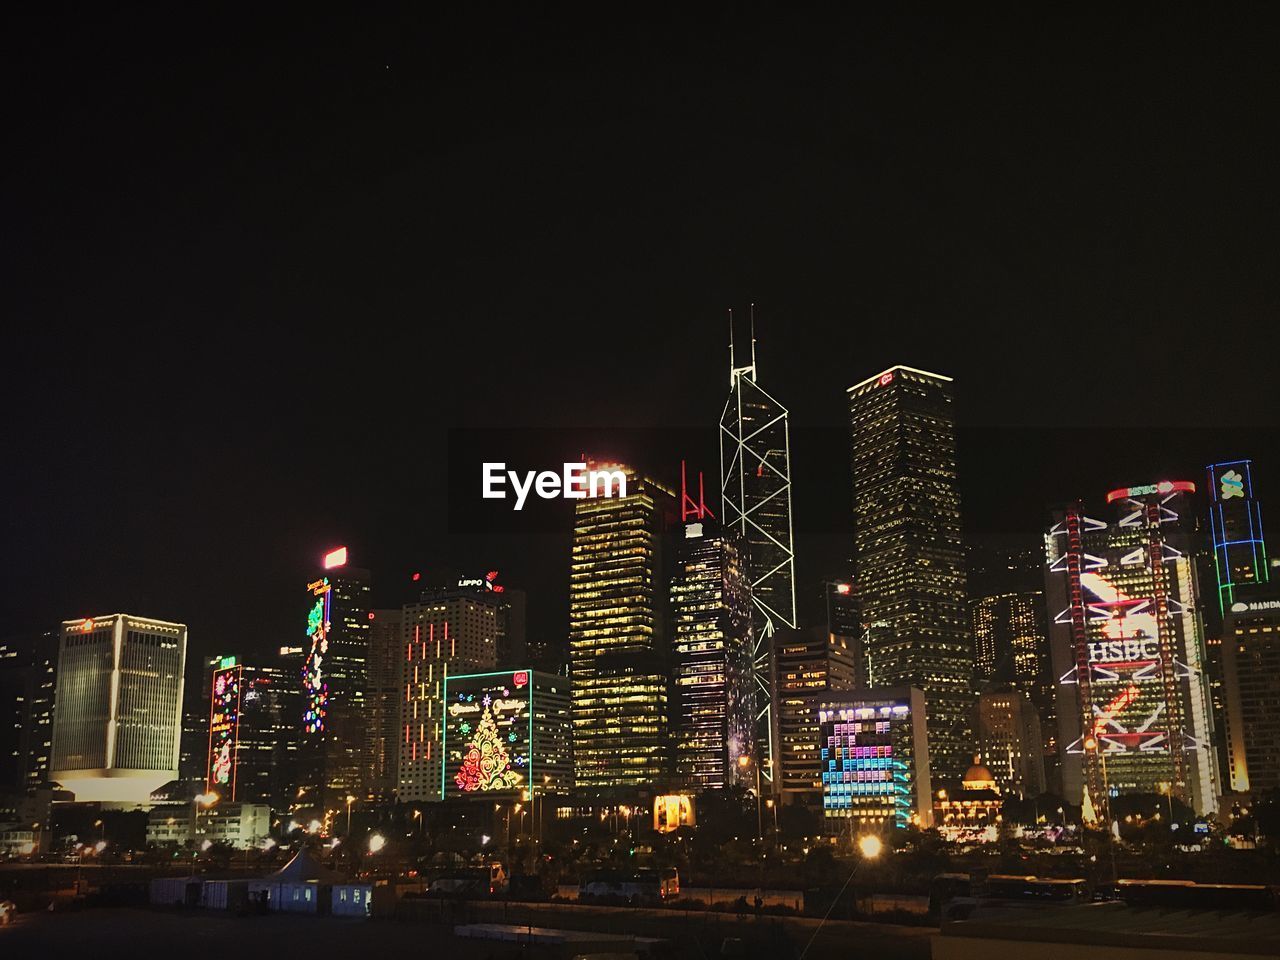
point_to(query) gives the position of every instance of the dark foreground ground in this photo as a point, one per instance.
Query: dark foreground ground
(107, 934)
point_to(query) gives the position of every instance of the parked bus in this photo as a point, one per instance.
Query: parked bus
(953, 896)
(630, 886)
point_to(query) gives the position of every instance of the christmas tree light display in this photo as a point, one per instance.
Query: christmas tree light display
(486, 765)
(487, 733)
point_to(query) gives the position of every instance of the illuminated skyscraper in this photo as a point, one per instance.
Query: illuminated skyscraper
(28, 669)
(908, 553)
(447, 632)
(1128, 651)
(252, 732)
(755, 490)
(117, 717)
(1251, 660)
(618, 645)
(713, 716)
(810, 665)
(384, 695)
(1010, 742)
(333, 753)
(1011, 642)
(1235, 517)
(874, 760)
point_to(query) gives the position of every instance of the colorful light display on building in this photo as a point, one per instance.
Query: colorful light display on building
(224, 728)
(1235, 517)
(488, 729)
(1129, 652)
(874, 760)
(673, 811)
(315, 686)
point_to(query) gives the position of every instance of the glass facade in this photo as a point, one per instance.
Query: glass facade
(908, 552)
(618, 644)
(714, 688)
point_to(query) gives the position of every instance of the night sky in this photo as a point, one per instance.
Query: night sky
(256, 272)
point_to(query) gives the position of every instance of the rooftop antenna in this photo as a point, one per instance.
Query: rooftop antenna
(731, 364)
(688, 506)
(736, 371)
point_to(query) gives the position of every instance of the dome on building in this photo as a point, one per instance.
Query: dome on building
(978, 776)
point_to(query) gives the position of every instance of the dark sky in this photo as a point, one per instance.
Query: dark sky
(256, 270)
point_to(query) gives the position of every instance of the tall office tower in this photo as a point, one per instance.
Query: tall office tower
(332, 755)
(874, 760)
(1128, 651)
(445, 633)
(908, 553)
(713, 715)
(117, 716)
(755, 490)
(509, 639)
(28, 670)
(618, 645)
(1251, 660)
(1010, 742)
(252, 731)
(1235, 560)
(809, 666)
(1011, 645)
(384, 695)
(1235, 518)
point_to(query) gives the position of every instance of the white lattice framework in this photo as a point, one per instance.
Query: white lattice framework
(755, 488)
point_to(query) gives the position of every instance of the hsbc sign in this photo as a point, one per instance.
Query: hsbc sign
(1123, 651)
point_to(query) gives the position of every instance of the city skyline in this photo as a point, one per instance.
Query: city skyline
(730, 481)
(824, 199)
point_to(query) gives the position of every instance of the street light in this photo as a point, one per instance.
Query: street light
(376, 842)
(870, 846)
(199, 800)
(350, 801)
(744, 761)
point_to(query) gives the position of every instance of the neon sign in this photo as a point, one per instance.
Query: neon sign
(488, 729)
(315, 687)
(1164, 486)
(488, 582)
(224, 727)
(1232, 484)
(335, 558)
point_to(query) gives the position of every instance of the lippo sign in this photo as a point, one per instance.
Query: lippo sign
(574, 482)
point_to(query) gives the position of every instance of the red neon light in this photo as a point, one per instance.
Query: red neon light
(697, 509)
(1164, 486)
(886, 378)
(1122, 700)
(335, 558)
(520, 678)
(372, 615)
(843, 588)
(416, 577)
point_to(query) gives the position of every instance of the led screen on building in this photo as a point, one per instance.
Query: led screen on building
(224, 723)
(673, 811)
(488, 727)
